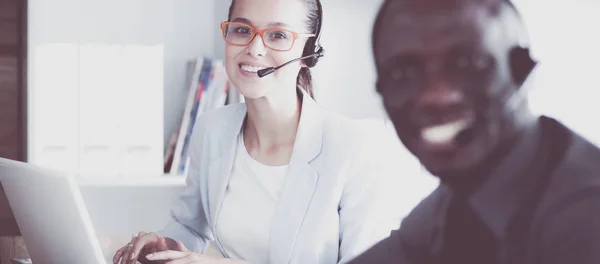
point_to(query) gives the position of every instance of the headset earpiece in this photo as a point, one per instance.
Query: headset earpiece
(521, 64)
(312, 44)
(312, 61)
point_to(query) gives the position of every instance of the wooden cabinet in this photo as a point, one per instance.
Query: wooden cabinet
(13, 91)
(13, 110)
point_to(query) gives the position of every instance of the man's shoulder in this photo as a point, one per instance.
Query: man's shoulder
(577, 176)
(568, 229)
(580, 152)
(579, 168)
(419, 225)
(429, 206)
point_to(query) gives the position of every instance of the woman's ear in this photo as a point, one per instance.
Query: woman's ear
(521, 64)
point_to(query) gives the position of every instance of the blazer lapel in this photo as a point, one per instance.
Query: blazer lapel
(299, 185)
(219, 171)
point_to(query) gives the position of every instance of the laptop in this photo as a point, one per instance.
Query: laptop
(51, 214)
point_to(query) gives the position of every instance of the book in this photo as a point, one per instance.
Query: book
(195, 83)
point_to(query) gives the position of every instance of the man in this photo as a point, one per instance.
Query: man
(515, 188)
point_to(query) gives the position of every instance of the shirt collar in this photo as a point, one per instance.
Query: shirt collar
(498, 199)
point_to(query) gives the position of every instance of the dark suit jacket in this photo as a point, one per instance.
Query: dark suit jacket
(563, 224)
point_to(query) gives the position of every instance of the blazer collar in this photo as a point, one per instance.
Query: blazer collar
(299, 186)
(309, 137)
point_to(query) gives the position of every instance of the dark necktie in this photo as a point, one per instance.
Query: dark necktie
(467, 240)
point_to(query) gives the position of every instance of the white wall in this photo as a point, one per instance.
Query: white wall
(221, 12)
(345, 76)
(566, 43)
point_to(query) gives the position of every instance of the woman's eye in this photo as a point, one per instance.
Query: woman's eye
(278, 35)
(242, 30)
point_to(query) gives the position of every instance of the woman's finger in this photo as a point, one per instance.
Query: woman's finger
(167, 255)
(118, 255)
(161, 245)
(141, 234)
(141, 242)
(127, 259)
(181, 247)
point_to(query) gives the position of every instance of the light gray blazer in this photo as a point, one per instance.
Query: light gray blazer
(337, 200)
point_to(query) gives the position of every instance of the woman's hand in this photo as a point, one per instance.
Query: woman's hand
(139, 247)
(183, 256)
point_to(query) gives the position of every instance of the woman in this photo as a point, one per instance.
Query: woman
(275, 179)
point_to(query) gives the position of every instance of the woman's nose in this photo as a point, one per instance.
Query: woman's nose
(256, 47)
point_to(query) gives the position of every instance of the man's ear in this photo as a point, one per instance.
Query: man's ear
(521, 64)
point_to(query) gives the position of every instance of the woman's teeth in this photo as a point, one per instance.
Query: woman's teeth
(249, 68)
(445, 133)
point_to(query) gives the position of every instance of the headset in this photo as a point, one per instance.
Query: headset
(313, 45)
(312, 49)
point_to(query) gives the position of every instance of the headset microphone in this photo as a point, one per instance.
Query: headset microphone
(266, 71)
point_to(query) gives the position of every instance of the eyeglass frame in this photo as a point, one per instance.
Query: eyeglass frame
(261, 32)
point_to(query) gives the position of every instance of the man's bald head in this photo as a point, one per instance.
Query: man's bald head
(403, 11)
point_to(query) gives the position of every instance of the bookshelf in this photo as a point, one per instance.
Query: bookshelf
(106, 94)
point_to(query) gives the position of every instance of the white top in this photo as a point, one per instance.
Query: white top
(248, 206)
